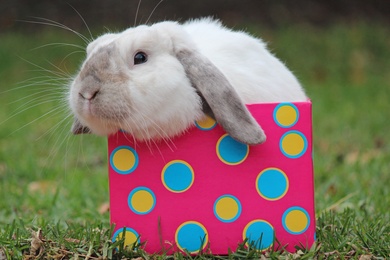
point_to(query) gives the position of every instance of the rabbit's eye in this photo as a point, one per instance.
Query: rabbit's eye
(140, 57)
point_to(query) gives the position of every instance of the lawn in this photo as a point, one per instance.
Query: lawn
(54, 186)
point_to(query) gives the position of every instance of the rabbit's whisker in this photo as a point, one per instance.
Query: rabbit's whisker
(36, 119)
(154, 9)
(45, 21)
(59, 44)
(85, 23)
(54, 128)
(136, 12)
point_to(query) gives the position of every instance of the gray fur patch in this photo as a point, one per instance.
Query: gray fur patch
(220, 96)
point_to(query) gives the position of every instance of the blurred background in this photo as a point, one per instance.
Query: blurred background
(339, 50)
(264, 12)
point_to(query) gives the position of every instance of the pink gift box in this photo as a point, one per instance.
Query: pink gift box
(205, 191)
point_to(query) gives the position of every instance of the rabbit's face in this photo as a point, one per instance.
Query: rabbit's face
(133, 81)
(153, 83)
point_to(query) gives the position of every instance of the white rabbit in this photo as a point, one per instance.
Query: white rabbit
(155, 81)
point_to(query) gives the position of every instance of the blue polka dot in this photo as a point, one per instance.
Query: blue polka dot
(177, 176)
(231, 151)
(259, 234)
(191, 236)
(272, 184)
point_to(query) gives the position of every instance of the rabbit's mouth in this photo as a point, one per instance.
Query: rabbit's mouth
(96, 117)
(105, 128)
(94, 126)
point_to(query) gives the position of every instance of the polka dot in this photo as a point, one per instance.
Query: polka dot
(207, 123)
(286, 115)
(131, 236)
(259, 234)
(293, 144)
(272, 184)
(227, 208)
(177, 176)
(191, 236)
(231, 151)
(141, 200)
(296, 220)
(124, 159)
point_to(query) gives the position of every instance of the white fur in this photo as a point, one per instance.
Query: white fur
(158, 97)
(257, 75)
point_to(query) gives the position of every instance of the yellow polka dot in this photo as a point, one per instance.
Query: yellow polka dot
(142, 201)
(227, 208)
(131, 236)
(293, 144)
(286, 114)
(124, 159)
(206, 123)
(296, 221)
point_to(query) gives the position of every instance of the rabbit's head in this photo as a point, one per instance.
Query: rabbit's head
(152, 82)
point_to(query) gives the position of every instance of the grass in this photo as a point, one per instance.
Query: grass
(54, 187)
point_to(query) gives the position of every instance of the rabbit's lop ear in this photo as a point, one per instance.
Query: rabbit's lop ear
(223, 100)
(78, 128)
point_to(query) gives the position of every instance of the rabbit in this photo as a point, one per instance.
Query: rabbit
(155, 81)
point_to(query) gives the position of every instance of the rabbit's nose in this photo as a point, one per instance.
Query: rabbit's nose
(90, 95)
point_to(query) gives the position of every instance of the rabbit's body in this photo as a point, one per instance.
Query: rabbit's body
(253, 71)
(155, 81)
